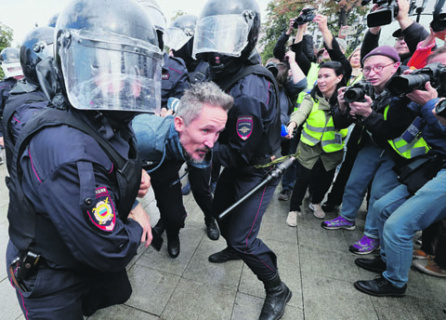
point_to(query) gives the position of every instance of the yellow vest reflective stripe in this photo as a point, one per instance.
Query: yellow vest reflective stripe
(411, 143)
(316, 130)
(311, 79)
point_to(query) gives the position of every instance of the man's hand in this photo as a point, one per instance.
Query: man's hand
(341, 100)
(291, 126)
(362, 109)
(421, 97)
(403, 14)
(145, 184)
(139, 215)
(321, 21)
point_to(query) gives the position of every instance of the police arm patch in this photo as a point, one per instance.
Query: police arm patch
(244, 127)
(103, 215)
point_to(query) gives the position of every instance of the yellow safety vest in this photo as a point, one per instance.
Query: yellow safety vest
(357, 79)
(318, 129)
(311, 82)
(417, 145)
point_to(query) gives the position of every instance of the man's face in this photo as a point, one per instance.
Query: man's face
(378, 70)
(401, 46)
(199, 137)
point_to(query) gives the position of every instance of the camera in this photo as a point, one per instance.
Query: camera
(439, 18)
(383, 16)
(357, 91)
(307, 15)
(434, 72)
(440, 109)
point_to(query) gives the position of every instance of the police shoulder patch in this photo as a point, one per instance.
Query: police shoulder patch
(245, 126)
(103, 215)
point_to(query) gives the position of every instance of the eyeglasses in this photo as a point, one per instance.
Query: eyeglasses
(375, 69)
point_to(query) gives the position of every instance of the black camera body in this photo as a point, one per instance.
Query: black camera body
(404, 84)
(440, 109)
(358, 91)
(383, 16)
(307, 15)
(439, 17)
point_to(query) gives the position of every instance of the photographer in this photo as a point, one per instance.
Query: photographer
(410, 31)
(306, 54)
(384, 118)
(406, 210)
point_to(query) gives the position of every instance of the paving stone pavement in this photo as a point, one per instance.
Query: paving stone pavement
(314, 263)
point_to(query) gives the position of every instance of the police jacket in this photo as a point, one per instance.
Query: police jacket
(5, 86)
(73, 187)
(158, 141)
(174, 79)
(252, 132)
(25, 100)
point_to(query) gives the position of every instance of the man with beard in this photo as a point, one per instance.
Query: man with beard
(165, 143)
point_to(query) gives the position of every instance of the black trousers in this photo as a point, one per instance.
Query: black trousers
(241, 227)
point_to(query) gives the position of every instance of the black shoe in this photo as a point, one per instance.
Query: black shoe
(159, 227)
(380, 287)
(328, 207)
(375, 265)
(284, 195)
(225, 255)
(277, 296)
(173, 244)
(212, 230)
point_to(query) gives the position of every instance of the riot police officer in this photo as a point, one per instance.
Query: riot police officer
(226, 35)
(26, 98)
(76, 172)
(10, 63)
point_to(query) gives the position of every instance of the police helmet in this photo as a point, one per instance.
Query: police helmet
(10, 61)
(107, 56)
(157, 16)
(38, 45)
(227, 30)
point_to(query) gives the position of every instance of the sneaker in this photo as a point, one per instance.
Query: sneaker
(365, 245)
(338, 223)
(430, 267)
(419, 240)
(284, 195)
(420, 254)
(317, 210)
(186, 189)
(291, 220)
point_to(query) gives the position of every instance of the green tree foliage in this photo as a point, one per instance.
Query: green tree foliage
(6, 35)
(279, 13)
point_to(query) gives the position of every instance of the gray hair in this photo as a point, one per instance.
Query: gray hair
(193, 99)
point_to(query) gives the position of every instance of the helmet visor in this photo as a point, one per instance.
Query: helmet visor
(177, 38)
(111, 72)
(224, 34)
(13, 69)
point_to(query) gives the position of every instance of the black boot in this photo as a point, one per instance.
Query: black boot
(277, 296)
(224, 255)
(212, 229)
(173, 243)
(159, 227)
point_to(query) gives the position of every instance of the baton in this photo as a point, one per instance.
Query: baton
(276, 173)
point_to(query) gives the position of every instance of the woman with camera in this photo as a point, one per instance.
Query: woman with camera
(321, 145)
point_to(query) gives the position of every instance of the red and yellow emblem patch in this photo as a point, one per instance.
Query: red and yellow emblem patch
(103, 214)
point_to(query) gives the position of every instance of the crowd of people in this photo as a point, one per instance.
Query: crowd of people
(356, 124)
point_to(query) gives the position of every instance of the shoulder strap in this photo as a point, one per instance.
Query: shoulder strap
(54, 117)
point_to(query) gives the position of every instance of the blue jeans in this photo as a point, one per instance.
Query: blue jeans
(372, 163)
(400, 218)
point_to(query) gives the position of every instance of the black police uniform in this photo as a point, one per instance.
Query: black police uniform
(175, 79)
(5, 86)
(24, 101)
(80, 209)
(251, 137)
